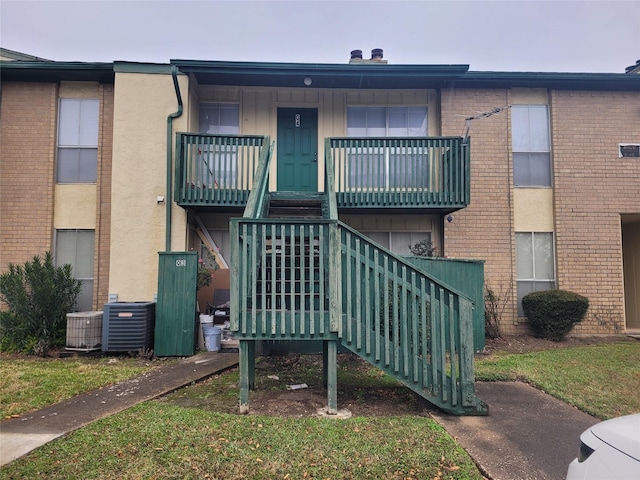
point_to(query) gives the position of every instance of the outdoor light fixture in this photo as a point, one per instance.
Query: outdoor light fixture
(308, 81)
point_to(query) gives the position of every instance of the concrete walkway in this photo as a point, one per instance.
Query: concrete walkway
(528, 435)
(19, 436)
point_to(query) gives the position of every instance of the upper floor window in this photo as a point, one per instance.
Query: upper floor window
(220, 118)
(386, 121)
(373, 166)
(77, 140)
(218, 163)
(531, 146)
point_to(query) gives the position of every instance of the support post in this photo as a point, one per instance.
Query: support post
(331, 361)
(247, 372)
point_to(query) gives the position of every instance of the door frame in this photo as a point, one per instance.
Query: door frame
(309, 108)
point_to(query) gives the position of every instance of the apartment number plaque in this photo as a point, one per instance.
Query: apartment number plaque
(297, 120)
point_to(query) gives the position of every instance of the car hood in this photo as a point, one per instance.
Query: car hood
(622, 433)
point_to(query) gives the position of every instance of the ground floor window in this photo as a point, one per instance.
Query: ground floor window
(535, 263)
(398, 242)
(76, 247)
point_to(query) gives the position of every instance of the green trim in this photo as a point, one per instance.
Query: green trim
(386, 76)
(56, 71)
(134, 67)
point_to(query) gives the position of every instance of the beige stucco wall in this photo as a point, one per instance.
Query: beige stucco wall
(141, 106)
(75, 206)
(533, 209)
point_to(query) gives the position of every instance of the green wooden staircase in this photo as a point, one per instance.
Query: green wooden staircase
(298, 273)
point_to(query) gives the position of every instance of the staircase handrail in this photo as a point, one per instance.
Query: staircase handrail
(329, 181)
(257, 196)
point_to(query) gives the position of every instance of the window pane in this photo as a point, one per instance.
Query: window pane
(356, 118)
(87, 167)
(398, 122)
(88, 135)
(524, 256)
(538, 129)
(67, 167)
(539, 169)
(524, 288)
(417, 121)
(76, 247)
(65, 247)
(381, 238)
(520, 128)
(69, 122)
(376, 118)
(543, 247)
(77, 165)
(223, 119)
(84, 254)
(84, 302)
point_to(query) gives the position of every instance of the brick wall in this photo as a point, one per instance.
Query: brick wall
(103, 203)
(484, 230)
(592, 188)
(27, 139)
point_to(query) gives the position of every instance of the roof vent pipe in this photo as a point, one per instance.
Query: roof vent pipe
(356, 54)
(376, 54)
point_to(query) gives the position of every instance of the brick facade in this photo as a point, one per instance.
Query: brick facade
(28, 139)
(593, 187)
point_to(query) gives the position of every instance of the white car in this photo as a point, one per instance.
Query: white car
(609, 450)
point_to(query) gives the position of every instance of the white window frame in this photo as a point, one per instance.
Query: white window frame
(538, 280)
(531, 142)
(78, 133)
(390, 241)
(85, 299)
(383, 178)
(218, 165)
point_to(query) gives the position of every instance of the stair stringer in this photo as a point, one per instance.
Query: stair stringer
(440, 394)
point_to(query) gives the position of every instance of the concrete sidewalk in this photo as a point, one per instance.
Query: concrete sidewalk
(21, 435)
(528, 435)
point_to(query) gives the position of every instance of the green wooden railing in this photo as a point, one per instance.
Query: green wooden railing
(415, 172)
(216, 170)
(318, 279)
(408, 324)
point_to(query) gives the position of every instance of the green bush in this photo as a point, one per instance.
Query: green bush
(553, 313)
(39, 295)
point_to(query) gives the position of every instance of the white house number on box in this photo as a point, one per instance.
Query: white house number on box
(181, 263)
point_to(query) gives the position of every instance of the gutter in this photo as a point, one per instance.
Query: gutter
(168, 196)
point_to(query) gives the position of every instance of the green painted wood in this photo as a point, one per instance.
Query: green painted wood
(216, 170)
(247, 372)
(176, 306)
(297, 149)
(332, 377)
(466, 276)
(416, 172)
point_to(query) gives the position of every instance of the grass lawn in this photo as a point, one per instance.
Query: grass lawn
(29, 383)
(194, 433)
(603, 380)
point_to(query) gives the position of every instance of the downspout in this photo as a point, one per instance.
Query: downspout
(168, 196)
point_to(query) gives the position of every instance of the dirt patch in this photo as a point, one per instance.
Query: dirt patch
(362, 390)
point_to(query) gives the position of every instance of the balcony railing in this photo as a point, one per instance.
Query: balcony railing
(420, 172)
(216, 170)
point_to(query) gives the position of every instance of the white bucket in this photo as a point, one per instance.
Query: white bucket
(212, 337)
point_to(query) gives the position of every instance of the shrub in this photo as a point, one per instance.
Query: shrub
(39, 295)
(553, 313)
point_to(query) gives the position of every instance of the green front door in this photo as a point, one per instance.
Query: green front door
(297, 150)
